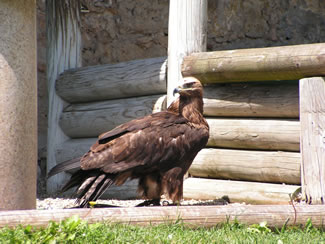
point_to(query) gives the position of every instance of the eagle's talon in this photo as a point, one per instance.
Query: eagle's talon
(147, 203)
(165, 203)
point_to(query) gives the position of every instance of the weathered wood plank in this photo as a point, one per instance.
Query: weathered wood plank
(75, 148)
(92, 119)
(84, 121)
(238, 191)
(264, 134)
(113, 81)
(63, 52)
(268, 99)
(194, 216)
(257, 64)
(187, 33)
(262, 166)
(312, 117)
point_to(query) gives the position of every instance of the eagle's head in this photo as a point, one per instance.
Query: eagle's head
(190, 87)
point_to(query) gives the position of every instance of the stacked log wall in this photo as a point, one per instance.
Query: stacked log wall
(254, 135)
(255, 127)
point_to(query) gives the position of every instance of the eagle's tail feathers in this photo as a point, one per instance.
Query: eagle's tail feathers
(64, 166)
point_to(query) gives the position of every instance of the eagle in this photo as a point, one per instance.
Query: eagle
(157, 149)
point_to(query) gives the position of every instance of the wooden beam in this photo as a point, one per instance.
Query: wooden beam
(257, 64)
(238, 191)
(282, 167)
(264, 134)
(193, 216)
(261, 166)
(92, 119)
(187, 33)
(112, 81)
(312, 117)
(276, 99)
(63, 52)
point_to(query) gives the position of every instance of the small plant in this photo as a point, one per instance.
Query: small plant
(259, 228)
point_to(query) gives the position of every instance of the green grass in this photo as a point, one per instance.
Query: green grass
(74, 230)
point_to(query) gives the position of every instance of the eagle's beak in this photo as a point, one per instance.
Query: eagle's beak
(176, 90)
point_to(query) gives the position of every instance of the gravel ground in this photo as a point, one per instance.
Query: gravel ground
(60, 203)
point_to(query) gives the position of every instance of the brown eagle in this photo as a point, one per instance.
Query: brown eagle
(157, 149)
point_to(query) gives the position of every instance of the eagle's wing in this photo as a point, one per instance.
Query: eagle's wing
(126, 128)
(138, 144)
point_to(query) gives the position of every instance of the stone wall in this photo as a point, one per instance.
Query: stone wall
(121, 30)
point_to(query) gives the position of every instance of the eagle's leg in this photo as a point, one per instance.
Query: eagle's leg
(150, 188)
(153, 202)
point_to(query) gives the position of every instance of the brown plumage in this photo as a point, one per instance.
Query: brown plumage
(158, 149)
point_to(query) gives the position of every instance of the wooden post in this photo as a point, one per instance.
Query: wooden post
(18, 105)
(312, 119)
(186, 34)
(63, 52)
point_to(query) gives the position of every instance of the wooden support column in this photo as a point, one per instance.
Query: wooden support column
(63, 52)
(186, 34)
(312, 142)
(18, 105)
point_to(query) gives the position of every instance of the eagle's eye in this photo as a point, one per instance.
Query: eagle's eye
(188, 84)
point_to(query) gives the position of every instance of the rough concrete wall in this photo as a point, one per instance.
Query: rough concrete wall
(121, 30)
(18, 110)
(115, 31)
(261, 23)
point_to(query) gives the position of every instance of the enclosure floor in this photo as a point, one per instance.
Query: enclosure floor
(60, 203)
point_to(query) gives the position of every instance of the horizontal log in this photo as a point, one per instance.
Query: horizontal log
(252, 100)
(193, 216)
(257, 64)
(264, 166)
(259, 134)
(261, 166)
(238, 191)
(91, 119)
(263, 134)
(126, 191)
(73, 148)
(281, 167)
(112, 81)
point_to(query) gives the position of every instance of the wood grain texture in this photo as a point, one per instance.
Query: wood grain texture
(267, 99)
(264, 166)
(187, 33)
(92, 119)
(257, 64)
(238, 191)
(193, 216)
(113, 81)
(263, 134)
(312, 117)
(63, 52)
(261, 166)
